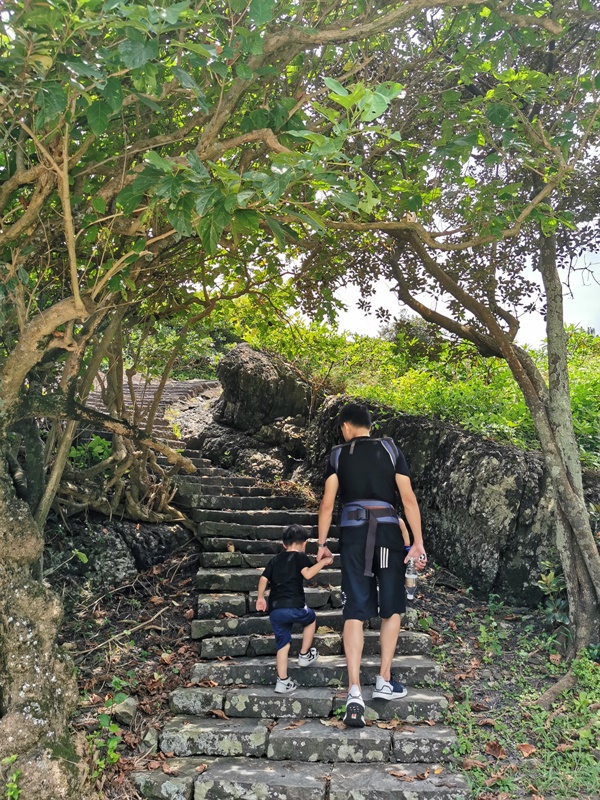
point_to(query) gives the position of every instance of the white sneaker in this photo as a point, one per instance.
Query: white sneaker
(306, 659)
(354, 716)
(286, 686)
(388, 690)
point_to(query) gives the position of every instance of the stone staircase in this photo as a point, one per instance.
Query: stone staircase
(230, 736)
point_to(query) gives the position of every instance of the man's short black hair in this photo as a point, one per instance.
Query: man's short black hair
(356, 415)
(295, 534)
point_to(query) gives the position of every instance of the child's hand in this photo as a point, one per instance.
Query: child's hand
(327, 561)
(261, 604)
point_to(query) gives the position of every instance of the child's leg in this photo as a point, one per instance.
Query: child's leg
(308, 635)
(282, 662)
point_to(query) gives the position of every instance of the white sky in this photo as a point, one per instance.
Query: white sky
(583, 309)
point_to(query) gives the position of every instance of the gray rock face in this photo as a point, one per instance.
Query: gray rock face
(257, 389)
(488, 509)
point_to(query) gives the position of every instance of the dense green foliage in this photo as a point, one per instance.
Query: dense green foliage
(447, 379)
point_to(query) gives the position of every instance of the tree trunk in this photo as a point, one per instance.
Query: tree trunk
(38, 691)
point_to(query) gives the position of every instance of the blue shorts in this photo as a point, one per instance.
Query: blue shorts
(282, 620)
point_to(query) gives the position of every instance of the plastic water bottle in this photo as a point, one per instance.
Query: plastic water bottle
(410, 579)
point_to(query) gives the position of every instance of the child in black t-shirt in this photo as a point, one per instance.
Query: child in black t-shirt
(287, 605)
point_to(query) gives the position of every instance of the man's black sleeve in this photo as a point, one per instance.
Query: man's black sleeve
(401, 465)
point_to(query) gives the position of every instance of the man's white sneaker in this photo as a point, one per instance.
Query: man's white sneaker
(388, 690)
(354, 716)
(306, 659)
(286, 686)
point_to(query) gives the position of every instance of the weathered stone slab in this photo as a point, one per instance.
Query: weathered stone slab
(327, 671)
(242, 779)
(238, 626)
(195, 700)
(327, 644)
(315, 597)
(419, 704)
(423, 743)
(219, 544)
(214, 560)
(197, 500)
(256, 517)
(256, 625)
(314, 741)
(190, 736)
(213, 605)
(225, 646)
(246, 580)
(256, 701)
(217, 529)
(156, 785)
(360, 782)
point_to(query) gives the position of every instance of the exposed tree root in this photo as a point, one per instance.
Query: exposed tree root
(547, 699)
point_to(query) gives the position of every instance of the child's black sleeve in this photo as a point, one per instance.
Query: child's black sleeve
(268, 571)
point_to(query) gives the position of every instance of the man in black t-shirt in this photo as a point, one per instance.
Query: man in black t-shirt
(285, 574)
(369, 474)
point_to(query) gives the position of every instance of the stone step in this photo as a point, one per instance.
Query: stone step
(217, 529)
(315, 598)
(419, 704)
(187, 488)
(258, 625)
(232, 560)
(211, 472)
(226, 481)
(189, 736)
(314, 740)
(246, 580)
(228, 503)
(327, 671)
(271, 547)
(252, 778)
(255, 517)
(214, 605)
(262, 702)
(328, 644)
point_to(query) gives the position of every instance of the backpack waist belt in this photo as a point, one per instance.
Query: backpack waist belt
(372, 511)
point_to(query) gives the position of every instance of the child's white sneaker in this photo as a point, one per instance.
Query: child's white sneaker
(286, 686)
(306, 659)
(388, 690)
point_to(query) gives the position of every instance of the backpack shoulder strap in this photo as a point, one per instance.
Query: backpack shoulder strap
(334, 456)
(391, 447)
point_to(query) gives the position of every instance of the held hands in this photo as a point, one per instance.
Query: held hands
(327, 560)
(417, 551)
(324, 552)
(261, 604)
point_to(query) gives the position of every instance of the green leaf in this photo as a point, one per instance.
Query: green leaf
(81, 556)
(158, 161)
(211, 227)
(113, 93)
(280, 231)
(80, 67)
(244, 72)
(98, 115)
(498, 114)
(172, 13)
(244, 220)
(373, 106)
(136, 54)
(336, 87)
(197, 166)
(98, 204)
(207, 199)
(180, 216)
(52, 101)
(185, 79)
(219, 68)
(275, 186)
(129, 198)
(597, 81)
(193, 47)
(261, 11)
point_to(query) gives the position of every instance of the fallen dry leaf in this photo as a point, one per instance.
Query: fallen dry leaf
(452, 625)
(201, 768)
(438, 770)
(422, 776)
(473, 763)
(477, 707)
(298, 723)
(169, 770)
(325, 629)
(216, 712)
(167, 657)
(130, 739)
(208, 684)
(486, 721)
(156, 600)
(526, 749)
(563, 747)
(154, 764)
(555, 658)
(188, 613)
(230, 547)
(334, 723)
(391, 725)
(494, 748)
(430, 722)
(403, 776)
(460, 676)
(229, 615)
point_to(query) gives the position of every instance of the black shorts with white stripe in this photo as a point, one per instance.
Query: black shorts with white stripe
(381, 595)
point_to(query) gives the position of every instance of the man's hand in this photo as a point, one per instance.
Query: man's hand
(324, 552)
(261, 604)
(417, 551)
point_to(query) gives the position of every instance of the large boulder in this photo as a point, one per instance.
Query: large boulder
(488, 509)
(258, 389)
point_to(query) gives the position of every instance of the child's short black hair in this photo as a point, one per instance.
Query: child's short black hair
(295, 534)
(356, 415)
